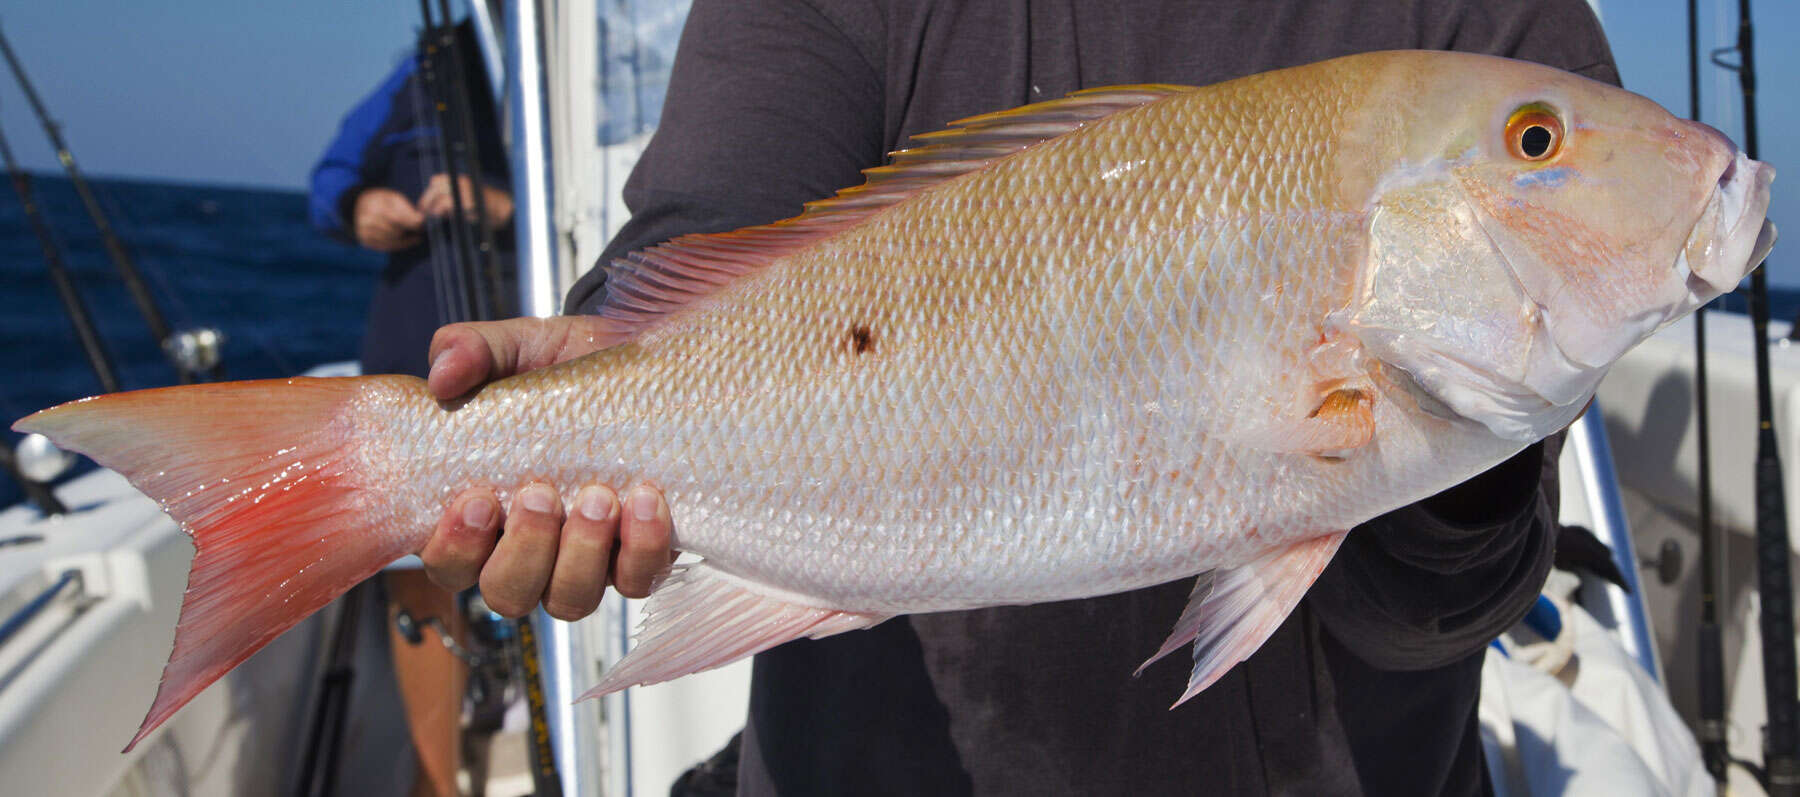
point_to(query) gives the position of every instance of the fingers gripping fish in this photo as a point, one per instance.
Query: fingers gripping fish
(1076, 348)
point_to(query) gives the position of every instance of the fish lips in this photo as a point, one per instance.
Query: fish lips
(1733, 234)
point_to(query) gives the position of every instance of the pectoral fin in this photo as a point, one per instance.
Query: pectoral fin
(1343, 420)
(1232, 612)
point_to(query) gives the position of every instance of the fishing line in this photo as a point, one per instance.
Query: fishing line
(134, 227)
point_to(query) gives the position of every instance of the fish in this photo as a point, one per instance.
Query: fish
(1128, 336)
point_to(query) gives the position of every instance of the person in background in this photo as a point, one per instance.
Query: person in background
(1369, 687)
(381, 184)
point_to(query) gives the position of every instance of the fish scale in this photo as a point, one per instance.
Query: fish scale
(1137, 334)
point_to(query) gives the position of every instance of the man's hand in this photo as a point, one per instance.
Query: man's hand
(560, 558)
(437, 202)
(385, 220)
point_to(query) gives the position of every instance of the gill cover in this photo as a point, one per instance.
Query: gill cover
(1437, 301)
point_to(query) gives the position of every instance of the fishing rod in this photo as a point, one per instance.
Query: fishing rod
(186, 372)
(72, 302)
(451, 98)
(467, 147)
(468, 297)
(460, 297)
(325, 737)
(1711, 642)
(326, 732)
(448, 259)
(440, 69)
(39, 492)
(1781, 737)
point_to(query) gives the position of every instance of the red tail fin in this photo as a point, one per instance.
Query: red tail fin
(261, 476)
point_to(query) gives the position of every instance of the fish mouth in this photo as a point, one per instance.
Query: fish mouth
(1732, 234)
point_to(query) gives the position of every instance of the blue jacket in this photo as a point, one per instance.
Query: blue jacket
(340, 174)
(390, 139)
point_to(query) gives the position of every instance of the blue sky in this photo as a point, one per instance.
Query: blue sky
(246, 92)
(243, 92)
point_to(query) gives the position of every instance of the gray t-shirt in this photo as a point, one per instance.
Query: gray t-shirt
(1369, 687)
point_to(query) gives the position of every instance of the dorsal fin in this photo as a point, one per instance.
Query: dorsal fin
(646, 286)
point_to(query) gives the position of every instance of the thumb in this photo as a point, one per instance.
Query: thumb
(468, 354)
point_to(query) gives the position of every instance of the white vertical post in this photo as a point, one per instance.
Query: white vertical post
(539, 293)
(575, 734)
(1614, 606)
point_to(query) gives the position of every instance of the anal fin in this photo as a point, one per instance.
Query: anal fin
(698, 618)
(1232, 612)
(1188, 626)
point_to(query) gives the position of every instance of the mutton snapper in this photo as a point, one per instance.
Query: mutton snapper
(1080, 347)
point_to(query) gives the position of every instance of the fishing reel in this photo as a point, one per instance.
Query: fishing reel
(194, 351)
(491, 654)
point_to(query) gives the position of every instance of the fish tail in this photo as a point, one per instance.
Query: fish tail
(262, 475)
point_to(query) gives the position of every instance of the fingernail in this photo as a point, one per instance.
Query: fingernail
(643, 503)
(478, 513)
(538, 498)
(595, 503)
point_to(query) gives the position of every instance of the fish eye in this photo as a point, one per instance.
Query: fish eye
(1534, 133)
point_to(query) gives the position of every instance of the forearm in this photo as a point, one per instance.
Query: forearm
(1432, 582)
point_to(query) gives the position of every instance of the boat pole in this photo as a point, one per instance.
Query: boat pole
(571, 738)
(134, 283)
(1711, 641)
(1781, 738)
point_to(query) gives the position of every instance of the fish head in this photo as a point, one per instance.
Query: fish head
(1527, 226)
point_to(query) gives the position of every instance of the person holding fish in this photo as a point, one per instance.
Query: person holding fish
(1272, 360)
(1370, 685)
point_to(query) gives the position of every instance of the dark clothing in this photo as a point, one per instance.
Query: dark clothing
(1369, 686)
(390, 140)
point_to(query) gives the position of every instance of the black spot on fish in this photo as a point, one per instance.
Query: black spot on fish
(861, 339)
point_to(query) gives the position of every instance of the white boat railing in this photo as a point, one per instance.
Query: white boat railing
(1620, 608)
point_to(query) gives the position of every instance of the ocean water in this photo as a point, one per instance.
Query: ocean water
(241, 260)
